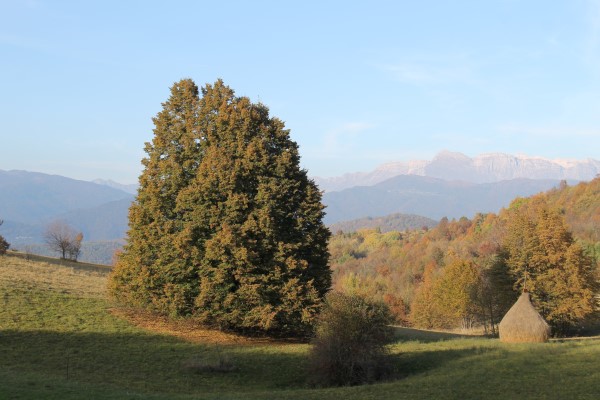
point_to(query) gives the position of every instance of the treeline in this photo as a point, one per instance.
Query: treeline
(393, 222)
(470, 271)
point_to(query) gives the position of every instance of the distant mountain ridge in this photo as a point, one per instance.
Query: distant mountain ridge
(485, 168)
(130, 188)
(30, 200)
(32, 197)
(429, 197)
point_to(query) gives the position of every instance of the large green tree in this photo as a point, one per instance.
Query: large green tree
(226, 227)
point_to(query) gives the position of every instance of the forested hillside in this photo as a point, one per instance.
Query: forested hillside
(470, 271)
(392, 222)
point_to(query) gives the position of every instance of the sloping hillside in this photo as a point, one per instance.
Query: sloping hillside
(391, 266)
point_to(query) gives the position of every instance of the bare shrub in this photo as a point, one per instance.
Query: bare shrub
(63, 239)
(350, 343)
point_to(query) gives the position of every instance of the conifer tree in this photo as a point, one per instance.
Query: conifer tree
(227, 226)
(152, 272)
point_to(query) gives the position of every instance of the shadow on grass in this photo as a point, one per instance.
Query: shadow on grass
(406, 334)
(146, 363)
(422, 362)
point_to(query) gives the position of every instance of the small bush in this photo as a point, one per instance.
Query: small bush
(350, 343)
(4, 245)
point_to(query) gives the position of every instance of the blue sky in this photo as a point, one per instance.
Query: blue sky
(357, 83)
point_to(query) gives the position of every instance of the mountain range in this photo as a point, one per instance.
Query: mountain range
(130, 188)
(485, 168)
(29, 201)
(429, 197)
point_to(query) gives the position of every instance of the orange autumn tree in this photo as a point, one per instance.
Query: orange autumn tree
(544, 258)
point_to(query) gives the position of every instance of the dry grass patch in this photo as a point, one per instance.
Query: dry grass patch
(16, 272)
(186, 329)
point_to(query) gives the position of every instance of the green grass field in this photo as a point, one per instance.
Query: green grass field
(61, 339)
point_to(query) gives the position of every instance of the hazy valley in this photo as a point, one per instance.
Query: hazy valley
(99, 209)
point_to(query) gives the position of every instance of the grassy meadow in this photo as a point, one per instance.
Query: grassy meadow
(61, 338)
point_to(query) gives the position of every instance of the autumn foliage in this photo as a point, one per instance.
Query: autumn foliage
(470, 271)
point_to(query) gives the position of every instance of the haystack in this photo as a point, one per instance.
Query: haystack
(523, 324)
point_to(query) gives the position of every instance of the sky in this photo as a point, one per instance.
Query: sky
(357, 83)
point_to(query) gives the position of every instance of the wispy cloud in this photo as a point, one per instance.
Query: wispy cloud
(431, 69)
(556, 132)
(591, 45)
(341, 136)
(424, 74)
(23, 42)
(340, 141)
(31, 4)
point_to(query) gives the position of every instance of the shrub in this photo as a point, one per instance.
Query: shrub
(4, 245)
(350, 343)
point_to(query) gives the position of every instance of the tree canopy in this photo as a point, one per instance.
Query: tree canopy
(545, 259)
(226, 226)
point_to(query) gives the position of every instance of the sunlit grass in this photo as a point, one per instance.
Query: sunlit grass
(60, 339)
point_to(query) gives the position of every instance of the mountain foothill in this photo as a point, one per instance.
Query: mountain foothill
(395, 196)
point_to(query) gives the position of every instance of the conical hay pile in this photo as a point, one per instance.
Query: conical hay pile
(523, 324)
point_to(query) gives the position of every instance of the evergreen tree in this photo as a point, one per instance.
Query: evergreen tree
(152, 271)
(227, 227)
(496, 292)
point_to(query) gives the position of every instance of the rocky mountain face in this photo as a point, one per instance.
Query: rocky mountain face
(485, 168)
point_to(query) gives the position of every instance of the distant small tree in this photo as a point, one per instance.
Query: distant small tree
(75, 249)
(63, 239)
(4, 245)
